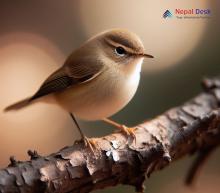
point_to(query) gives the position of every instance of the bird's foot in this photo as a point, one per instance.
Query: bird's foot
(129, 131)
(90, 143)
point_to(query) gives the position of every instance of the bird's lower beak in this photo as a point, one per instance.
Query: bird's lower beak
(148, 56)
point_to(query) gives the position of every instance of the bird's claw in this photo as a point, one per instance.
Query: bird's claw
(129, 131)
(90, 143)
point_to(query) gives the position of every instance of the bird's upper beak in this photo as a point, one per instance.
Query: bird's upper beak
(144, 55)
(148, 56)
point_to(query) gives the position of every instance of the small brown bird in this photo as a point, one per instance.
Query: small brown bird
(97, 80)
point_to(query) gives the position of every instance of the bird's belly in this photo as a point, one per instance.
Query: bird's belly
(95, 100)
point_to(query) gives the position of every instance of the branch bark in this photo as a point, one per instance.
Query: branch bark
(184, 130)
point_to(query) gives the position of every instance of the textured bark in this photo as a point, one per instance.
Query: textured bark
(187, 129)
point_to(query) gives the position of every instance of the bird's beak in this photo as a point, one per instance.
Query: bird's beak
(148, 56)
(144, 55)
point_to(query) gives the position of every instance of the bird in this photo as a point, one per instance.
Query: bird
(96, 80)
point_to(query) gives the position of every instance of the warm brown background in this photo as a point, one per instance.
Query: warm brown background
(37, 36)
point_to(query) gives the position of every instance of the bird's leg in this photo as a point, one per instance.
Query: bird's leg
(88, 142)
(129, 131)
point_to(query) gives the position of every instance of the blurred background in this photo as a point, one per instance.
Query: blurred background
(37, 36)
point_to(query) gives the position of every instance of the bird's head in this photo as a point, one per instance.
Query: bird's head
(117, 49)
(121, 48)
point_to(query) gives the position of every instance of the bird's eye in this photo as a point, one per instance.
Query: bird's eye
(120, 51)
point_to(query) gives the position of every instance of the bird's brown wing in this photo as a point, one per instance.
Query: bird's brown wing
(66, 77)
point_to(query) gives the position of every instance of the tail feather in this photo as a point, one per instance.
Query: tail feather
(19, 105)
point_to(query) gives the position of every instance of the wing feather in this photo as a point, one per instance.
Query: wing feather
(67, 76)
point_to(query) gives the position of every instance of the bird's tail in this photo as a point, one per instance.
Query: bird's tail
(19, 105)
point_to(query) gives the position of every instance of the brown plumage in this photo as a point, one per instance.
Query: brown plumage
(97, 80)
(94, 57)
(74, 71)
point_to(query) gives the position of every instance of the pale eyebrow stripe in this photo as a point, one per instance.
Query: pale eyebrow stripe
(115, 44)
(121, 40)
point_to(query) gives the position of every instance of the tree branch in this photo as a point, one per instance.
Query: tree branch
(187, 129)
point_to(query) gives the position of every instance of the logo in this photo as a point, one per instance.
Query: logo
(167, 14)
(190, 13)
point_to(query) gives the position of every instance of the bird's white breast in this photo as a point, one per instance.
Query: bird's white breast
(101, 97)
